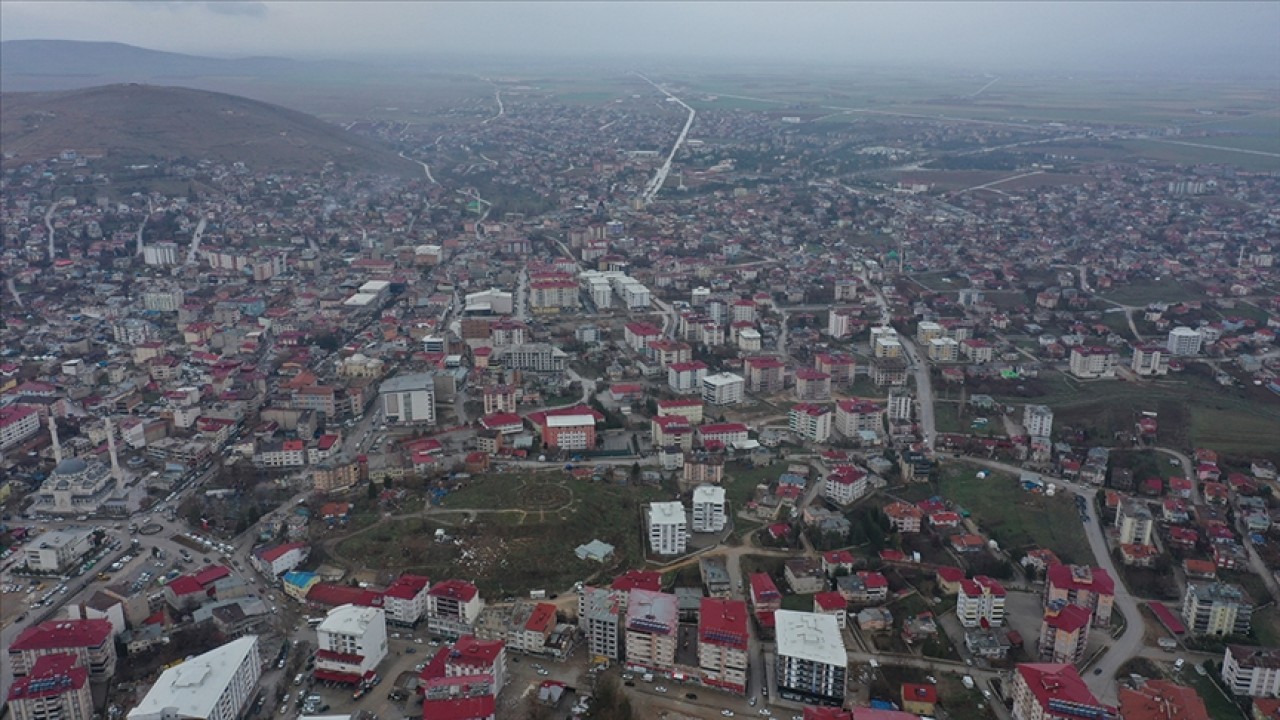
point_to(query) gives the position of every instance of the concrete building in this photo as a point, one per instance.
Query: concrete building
(1064, 634)
(846, 484)
(723, 389)
(1216, 609)
(980, 603)
(280, 559)
(56, 551)
(722, 644)
(57, 688)
(453, 607)
(405, 600)
(652, 627)
(810, 422)
(352, 642)
(17, 423)
(1054, 691)
(570, 432)
(1162, 700)
(600, 619)
(810, 659)
(214, 686)
(668, 530)
(1134, 522)
(1184, 342)
(1150, 360)
(1093, 362)
(409, 399)
(1088, 587)
(1037, 420)
(709, 509)
(1252, 671)
(91, 641)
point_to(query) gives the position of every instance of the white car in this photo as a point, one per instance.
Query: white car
(726, 712)
(660, 688)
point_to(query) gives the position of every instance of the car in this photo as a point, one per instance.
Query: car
(726, 712)
(752, 702)
(660, 688)
(765, 712)
(1097, 671)
(629, 683)
(543, 673)
(410, 651)
(691, 696)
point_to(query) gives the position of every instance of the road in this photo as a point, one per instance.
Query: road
(13, 290)
(660, 178)
(669, 319)
(139, 246)
(195, 240)
(48, 228)
(919, 368)
(425, 167)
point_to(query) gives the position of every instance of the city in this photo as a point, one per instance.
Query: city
(654, 395)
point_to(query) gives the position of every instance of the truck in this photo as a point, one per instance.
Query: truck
(537, 594)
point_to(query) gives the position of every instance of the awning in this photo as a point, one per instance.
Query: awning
(338, 677)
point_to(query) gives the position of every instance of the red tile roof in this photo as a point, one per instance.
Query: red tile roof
(638, 580)
(912, 692)
(185, 585)
(830, 600)
(542, 619)
(1056, 681)
(472, 651)
(211, 575)
(407, 586)
(331, 595)
(51, 675)
(456, 589)
(1075, 577)
(723, 622)
(471, 708)
(272, 554)
(56, 634)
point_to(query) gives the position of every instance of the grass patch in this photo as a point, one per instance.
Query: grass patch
(511, 552)
(1149, 291)
(1216, 702)
(1014, 518)
(800, 603)
(1194, 155)
(741, 480)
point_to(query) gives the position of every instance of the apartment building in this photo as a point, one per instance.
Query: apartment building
(980, 602)
(668, 529)
(652, 627)
(810, 659)
(722, 643)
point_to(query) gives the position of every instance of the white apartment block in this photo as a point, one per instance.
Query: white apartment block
(214, 686)
(723, 389)
(811, 659)
(409, 399)
(709, 508)
(668, 530)
(353, 641)
(1037, 420)
(1184, 341)
(980, 602)
(1252, 671)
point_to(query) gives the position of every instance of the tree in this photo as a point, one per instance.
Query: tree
(372, 490)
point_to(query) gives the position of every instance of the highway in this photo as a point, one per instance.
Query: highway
(195, 240)
(660, 178)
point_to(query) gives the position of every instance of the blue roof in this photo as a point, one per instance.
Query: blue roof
(298, 577)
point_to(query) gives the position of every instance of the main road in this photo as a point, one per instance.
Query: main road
(919, 367)
(660, 178)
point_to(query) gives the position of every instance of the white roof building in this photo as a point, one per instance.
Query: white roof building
(213, 686)
(812, 637)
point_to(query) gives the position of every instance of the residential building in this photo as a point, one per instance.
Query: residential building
(570, 432)
(1216, 608)
(810, 658)
(709, 509)
(980, 603)
(1252, 671)
(1184, 341)
(57, 688)
(600, 616)
(764, 374)
(471, 657)
(217, 685)
(1091, 588)
(409, 399)
(91, 641)
(280, 559)
(722, 643)
(1134, 522)
(531, 624)
(1064, 633)
(1161, 700)
(17, 423)
(1054, 691)
(452, 608)
(1037, 420)
(532, 357)
(1150, 360)
(832, 603)
(810, 422)
(904, 517)
(723, 388)
(668, 530)
(725, 435)
(499, 399)
(1093, 362)
(845, 484)
(352, 641)
(406, 600)
(652, 630)
(685, 378)
(858, 415)
(812, 385)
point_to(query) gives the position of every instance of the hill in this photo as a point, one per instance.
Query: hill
(43, 65)
(145, 123)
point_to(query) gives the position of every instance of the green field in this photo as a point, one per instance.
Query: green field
(524, 541)
(1016, 519)
(1189, 155)
(1142, 293)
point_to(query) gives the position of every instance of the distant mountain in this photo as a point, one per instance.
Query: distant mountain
(143, 123)
(36, 65)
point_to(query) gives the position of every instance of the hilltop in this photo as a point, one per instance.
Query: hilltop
(143, 123)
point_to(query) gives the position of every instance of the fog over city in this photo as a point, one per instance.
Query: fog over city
(1200, 39)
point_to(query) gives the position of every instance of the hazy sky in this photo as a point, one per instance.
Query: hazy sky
(1139, 35)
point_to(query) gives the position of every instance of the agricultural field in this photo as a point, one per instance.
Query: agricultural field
(509, 533)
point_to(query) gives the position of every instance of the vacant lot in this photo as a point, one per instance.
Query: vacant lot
(516, 533)
(1015, 518)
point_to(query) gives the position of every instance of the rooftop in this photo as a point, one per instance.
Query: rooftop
(194, 688)
(810, 636)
